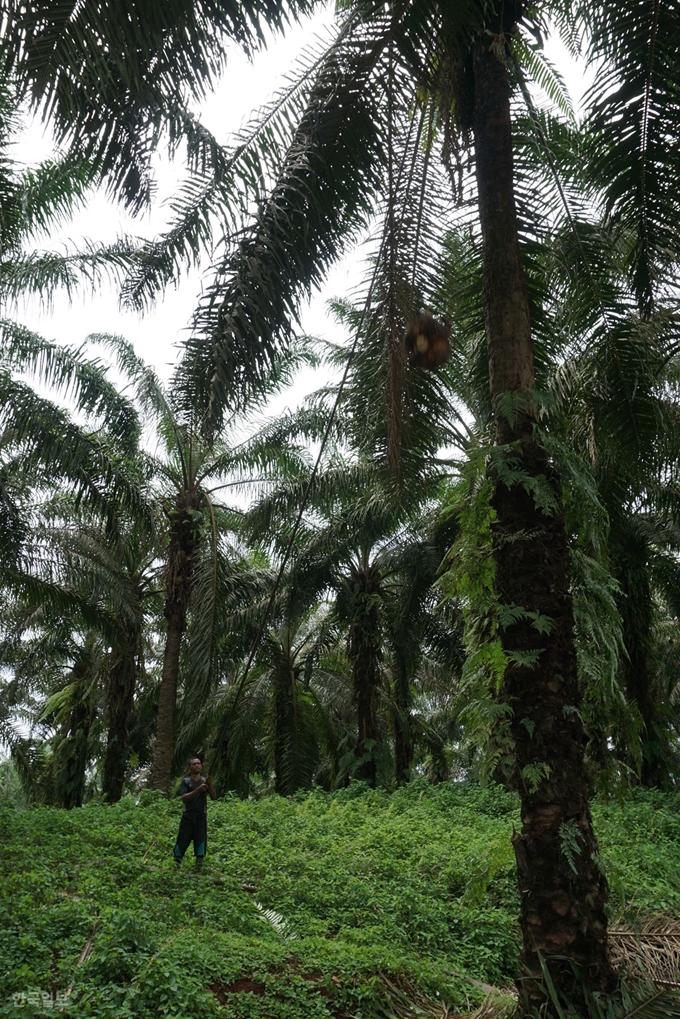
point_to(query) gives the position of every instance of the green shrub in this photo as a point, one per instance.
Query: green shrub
(361, 897)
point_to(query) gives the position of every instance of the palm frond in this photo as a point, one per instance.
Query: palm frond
(322, 195)
(105, 80)
(634, 126)
(76, 378)
(652, 952)
(42, 273)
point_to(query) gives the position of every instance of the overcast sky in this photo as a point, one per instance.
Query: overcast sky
(155, 336)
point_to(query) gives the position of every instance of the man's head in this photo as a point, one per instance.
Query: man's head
(195, 766)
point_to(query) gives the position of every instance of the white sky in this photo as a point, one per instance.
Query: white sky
(156, 336)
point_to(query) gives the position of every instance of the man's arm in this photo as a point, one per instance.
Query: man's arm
(188, 797)
(210, 787)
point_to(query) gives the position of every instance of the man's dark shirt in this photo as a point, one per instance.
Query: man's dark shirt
(197, 805)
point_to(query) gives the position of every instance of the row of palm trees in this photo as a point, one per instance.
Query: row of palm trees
(164, 573)
(559, 239)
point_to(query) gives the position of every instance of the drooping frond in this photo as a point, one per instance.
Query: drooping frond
(55, 448)
(43, 273)
(147, 386)
(634, 129)
(322, 194)
(73, 376)
(105, 78)
(222, 188)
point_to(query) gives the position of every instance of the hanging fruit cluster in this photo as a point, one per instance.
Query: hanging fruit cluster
(427, 343)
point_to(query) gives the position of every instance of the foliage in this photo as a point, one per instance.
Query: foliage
(355, 893)
(348, 145)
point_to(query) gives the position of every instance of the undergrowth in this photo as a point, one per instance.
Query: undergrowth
(358, 899)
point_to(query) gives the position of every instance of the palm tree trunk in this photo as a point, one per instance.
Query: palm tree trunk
(563, 892)
(636, 606)
(363, 651)
(71, 754)
(403, 736)
(161, 770)
(120, 701)
(178, 578)
(286, 734)
(123, 675)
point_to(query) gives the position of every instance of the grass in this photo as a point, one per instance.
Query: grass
(363, 901)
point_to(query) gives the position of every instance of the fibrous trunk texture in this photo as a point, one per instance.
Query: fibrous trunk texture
(178, 578)
(403, 735)
(294, 750)
(636, 605)
(72, 750)
(120, 701)
(563, 892)
(363, 651)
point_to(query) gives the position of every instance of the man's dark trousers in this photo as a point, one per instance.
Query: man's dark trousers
(193, 826)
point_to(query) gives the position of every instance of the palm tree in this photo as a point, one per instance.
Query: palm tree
(360, 99)
(74, 708)
(424, 638)
(352, 547)
(92, 578)
(364, 119)
(116, 569)
(191, 469)
(287, 662)
(41, 442)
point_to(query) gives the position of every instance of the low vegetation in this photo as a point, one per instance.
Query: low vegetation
(358, 903)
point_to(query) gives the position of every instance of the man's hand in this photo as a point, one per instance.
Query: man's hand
(201, 788)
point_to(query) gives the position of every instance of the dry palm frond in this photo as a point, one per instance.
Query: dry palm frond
(652, 951)
(405, 1002)
(498, 1004)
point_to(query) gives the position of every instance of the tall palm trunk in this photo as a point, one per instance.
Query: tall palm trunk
(120, 701)
(71, 753)
(636, 606)
(120, 697)
(563, 892)
(403, 734)
(285, 729)
(363, 651)
(293, 743)
(184, 540)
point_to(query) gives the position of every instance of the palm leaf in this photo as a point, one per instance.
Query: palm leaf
(652, 952)
(634, 125)
(76, 378)
(129, 70)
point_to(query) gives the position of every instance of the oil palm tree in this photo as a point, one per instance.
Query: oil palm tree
(360, 136)
(189, 469)
(618, 403)
(337, 163)
(349, 548)
(41, 441)
(88, 570)
(67, 483)
(116, 569)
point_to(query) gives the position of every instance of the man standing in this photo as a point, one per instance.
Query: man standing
(194, 790)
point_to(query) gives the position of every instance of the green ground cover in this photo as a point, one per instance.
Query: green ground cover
(362, 899)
